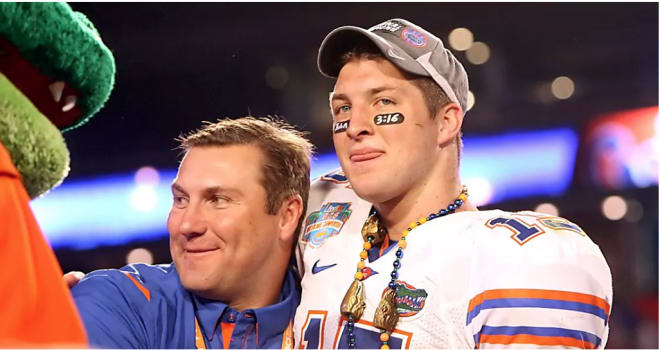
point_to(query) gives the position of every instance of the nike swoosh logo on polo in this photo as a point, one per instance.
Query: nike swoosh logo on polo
(393, 54)
(316, 269)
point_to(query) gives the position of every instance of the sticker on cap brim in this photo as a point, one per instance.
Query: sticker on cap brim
(388, 119)
(388, 26)
(413, 37)
(340, 126)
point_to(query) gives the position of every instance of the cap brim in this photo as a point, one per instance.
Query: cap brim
(344, 39)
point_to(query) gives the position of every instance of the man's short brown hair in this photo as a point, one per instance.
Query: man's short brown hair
(286, 152)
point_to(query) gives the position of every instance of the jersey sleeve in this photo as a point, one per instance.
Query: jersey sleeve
(537, 281)
(319, 190)
(111, 304)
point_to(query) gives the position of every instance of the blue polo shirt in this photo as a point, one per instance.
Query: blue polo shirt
(145, 306)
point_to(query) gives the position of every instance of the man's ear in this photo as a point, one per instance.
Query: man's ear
(289, 215)
(449, 120)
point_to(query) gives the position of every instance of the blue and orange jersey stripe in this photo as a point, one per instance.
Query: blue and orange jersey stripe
(539, 298)
(536, 336)
(139, 285)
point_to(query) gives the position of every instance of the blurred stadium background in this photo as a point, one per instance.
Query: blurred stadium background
(564, 120)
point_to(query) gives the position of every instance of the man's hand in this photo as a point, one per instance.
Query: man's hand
(72, 278)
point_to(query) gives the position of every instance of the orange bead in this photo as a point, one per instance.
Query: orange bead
(403, 244)
(462, 197)
(384, 337)
(363, 254)
(361, 265)
(421, 220)
(385, 347)
(358, 276)
(367, 245)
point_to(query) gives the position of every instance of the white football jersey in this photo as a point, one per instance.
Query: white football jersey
(482, 279)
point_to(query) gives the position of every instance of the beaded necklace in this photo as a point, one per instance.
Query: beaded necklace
(386, 315)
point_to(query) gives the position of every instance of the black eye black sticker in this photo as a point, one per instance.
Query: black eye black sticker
(387, 119)
(340, 126)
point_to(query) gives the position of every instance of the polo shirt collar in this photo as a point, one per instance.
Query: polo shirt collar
(271, 319)
(208, 313)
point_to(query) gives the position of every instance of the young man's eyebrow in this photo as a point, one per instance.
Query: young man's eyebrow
(380, 89)
(374, 91)
(338, 97)
(178, 188)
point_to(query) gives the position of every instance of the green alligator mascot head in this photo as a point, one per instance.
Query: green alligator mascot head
(55, 74)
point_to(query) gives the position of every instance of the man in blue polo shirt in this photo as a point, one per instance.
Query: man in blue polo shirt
(238, 198)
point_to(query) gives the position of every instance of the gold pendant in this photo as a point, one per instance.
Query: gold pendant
(387, 315)
(372, 227)
(353, 303)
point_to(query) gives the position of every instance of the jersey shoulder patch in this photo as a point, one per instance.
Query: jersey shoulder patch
(325, 222)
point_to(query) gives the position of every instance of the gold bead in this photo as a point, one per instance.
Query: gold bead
(403, 244)
(462, 197)
(413, 224)
(373, 227)
(366, 245)
(358, 276)
(361, 265)
(422, 220)
(386, 315)
(404, 233)
(385, 347)
(353, 303)
(364, 254)
(384, 337)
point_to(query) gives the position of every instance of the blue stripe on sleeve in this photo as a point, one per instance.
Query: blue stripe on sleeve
(539, 331)
(539, 303)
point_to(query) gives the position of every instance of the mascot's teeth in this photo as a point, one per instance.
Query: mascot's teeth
(70, 102)
(56, 89)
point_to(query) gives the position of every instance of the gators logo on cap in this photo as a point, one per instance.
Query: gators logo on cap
(325, 223)
(413, 37)
(409, 300)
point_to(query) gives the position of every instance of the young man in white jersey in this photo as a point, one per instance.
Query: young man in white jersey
(394, 255)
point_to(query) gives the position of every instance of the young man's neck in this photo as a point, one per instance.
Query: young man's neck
(430, 197)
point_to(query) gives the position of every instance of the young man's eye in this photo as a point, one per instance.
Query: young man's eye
(180, 201)
(342, 109)
(386, 101)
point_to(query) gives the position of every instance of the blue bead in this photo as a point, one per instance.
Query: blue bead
(370, 239)
(349, 327)
(432, 216)
(399, 253)
(392, 285)
(443, 212)
(396, 264)
(394, 275)
(458, 202)
(451, 207)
